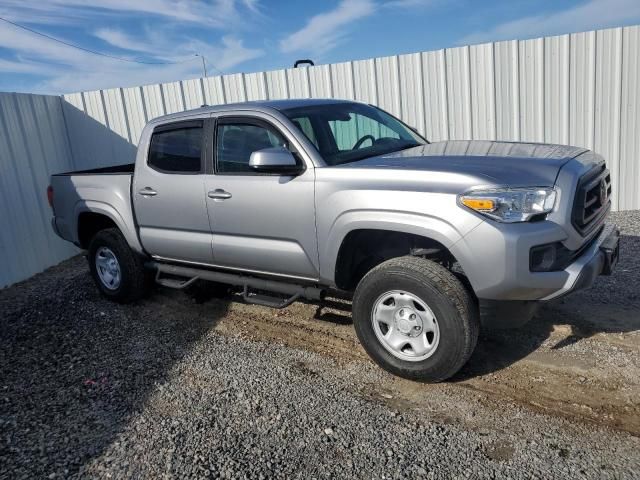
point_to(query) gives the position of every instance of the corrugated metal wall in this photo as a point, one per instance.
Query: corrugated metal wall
(581, 89)
(33, 145)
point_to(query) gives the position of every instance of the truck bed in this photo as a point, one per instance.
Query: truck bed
(116, 169)
(104, 191)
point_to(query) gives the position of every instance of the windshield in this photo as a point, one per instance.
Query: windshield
(348, 132)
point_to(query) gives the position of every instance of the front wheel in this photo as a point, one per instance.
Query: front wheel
(117, 270)
(415, 319)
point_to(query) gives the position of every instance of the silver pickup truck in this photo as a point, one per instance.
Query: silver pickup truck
(301, 198)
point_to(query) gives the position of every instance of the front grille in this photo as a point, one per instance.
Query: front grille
(592, 200)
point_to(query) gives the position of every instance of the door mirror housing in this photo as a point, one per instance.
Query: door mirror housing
(275, 160)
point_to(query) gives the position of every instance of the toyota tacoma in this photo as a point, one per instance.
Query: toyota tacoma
(299, 199)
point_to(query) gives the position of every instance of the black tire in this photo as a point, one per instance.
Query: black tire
(452, 304)
(134, 281)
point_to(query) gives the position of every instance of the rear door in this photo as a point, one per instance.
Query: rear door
(169, 195)
(260, 222)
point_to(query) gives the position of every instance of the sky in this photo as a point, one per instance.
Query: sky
(255, 35)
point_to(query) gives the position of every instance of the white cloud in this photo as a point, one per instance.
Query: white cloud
(218, 14)
(589, 15)
(325, 30)
(229, 52)
(64, 69)
(57, 68)
(123, 40)
(22, 66)
(408, 3)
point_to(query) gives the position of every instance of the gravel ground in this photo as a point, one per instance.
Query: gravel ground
(173, 388)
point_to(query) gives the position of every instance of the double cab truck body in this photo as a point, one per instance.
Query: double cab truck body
(298, 198)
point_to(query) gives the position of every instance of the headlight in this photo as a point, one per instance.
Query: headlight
(510, 204)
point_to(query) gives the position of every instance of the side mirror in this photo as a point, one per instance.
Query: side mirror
(275, 160)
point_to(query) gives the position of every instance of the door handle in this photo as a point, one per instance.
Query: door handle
(219, 194)
(148, 192)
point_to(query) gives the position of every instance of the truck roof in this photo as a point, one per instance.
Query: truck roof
(255, 104)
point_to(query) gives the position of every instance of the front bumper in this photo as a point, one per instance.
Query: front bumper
(600, 259)
(495, 258)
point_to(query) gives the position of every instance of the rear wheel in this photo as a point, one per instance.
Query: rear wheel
(415, 319)
(117, 271)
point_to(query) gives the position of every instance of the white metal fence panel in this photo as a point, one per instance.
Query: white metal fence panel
(256, 85)
(608, 91)
(214, 91)
(364, 78)
(556, 89)
(320, 81)
(531, 90)
(33, 145)
(506, 74)
(483, 101)
(434, 82)
(342, 80)
(629, 170)
(172, 96)
(193, 93)
(135, 112)
(234, 88)
(153, 101)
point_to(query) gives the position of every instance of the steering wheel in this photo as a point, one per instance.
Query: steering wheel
(362, 140)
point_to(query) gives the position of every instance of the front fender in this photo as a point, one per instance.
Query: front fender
(424, 225)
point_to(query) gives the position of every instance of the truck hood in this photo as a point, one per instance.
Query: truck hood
(501, 163)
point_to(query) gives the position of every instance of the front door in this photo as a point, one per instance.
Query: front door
(260, 222)
(169, 194)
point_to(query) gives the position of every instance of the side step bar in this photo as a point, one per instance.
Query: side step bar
(266, 300)
(190, 275)
(174, 282)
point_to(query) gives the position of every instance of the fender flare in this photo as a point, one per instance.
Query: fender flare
(403, 222)
(102, 208)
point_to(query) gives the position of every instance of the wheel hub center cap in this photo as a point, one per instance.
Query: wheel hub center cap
(408, 322)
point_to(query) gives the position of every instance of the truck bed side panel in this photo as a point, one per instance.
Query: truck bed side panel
(105, 194)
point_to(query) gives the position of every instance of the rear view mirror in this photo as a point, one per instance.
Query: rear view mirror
(275, 160)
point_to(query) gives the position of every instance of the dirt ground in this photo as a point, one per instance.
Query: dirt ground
(568, 376)
(578, 358)
(574, 359)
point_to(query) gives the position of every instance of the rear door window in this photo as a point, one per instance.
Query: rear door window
(177, 150)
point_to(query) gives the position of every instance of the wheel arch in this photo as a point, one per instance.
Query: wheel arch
(388, 236)
(92, 217)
